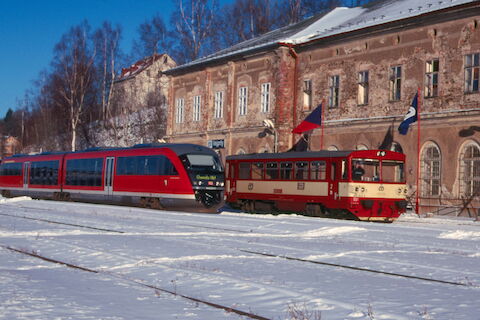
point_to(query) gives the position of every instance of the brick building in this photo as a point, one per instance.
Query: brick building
(365, 64)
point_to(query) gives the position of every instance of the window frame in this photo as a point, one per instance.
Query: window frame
(242, 100)
(265, 95)
(432, 68)
(334, 91)
(197, 108)
(431, 170)
(472, 73)
(218, 105)
(363, 87)
(179, 110)
(395, 83)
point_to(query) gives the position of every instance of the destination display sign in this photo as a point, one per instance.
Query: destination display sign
(216, 144)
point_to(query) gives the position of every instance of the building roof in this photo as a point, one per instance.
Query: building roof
(138, 67)
(337, 21)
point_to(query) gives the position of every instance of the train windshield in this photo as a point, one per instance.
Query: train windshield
(392, 171)
(202, 163)
(369, 170)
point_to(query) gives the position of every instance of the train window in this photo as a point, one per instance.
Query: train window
(206, 161)
(301, 170)
(286, 170)
(44, 172)
(333, 171)
(317, 170)
(365, 169)
(244, 170)
(201, 163)
(145, 166)
(272, 171)
(11, 169)
(344, 169)
(392, 171)
(84, 172)
(257, 170)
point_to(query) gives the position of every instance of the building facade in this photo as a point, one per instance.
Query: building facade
(142, 85)
(364, 65)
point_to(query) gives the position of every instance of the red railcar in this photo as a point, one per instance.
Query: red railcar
(151, 175)
(364, 184)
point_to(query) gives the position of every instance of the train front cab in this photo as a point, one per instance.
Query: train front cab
(372, 185)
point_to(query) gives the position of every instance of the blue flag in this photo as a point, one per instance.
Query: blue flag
(410, 117)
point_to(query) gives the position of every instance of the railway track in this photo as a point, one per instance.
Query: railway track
(134, 281)
(285, 257)
(336, 265)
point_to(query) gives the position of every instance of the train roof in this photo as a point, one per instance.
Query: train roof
(178, 148)
(290, 155)
(313, 154)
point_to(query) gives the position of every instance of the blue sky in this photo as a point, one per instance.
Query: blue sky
(29, 29)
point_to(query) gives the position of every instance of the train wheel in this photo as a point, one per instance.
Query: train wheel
(143, 202)
(155, 203)
(314, 210)
(6, 193)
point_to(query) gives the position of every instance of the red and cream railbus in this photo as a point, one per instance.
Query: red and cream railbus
(364, 184)
(151, 175)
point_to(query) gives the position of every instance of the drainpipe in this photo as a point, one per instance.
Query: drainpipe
(294, 54)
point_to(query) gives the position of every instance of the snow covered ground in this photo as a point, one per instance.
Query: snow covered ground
(150, 264)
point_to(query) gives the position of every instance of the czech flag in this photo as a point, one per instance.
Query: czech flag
(410, 117)
(312, 121)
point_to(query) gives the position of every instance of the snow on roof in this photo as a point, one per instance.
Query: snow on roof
(138, 67)
(335, 22)
(341, 20)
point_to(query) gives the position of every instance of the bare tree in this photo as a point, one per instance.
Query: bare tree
(106, 40)
(73, 75)
(153, 37)
(194, 23)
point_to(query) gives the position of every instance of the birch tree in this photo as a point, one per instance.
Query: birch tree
(106, 40)
(73, 75)
(194, 24)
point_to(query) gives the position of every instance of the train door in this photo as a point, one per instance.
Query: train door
(231, 182)
(26, 174)
(109, 170)
(333, 181)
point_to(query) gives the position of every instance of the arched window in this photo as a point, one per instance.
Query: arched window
(241, 151)
(396, 147)
(361, 147)
(470, 170)
(332, 148)
(431, 160)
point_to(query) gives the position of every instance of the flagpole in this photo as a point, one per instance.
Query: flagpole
(321, 123)
(417, 198)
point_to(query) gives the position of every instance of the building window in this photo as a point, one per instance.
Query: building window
(395, 83)
(334, 91)
(362, 88)
(265, 97)
(242, 100)
(430, 168)
(180, 107)
(472, 72)
(307, 95)
(218, 112)
(470, 170)
(431, 78)
(197, 108)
